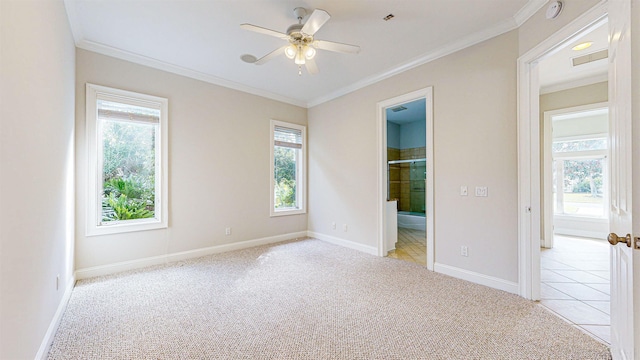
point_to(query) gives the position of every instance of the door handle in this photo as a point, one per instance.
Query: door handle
(614, 239)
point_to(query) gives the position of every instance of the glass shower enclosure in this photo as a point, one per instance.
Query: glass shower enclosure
(406, 183)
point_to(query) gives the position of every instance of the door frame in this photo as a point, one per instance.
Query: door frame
(529, 151)
(382, 106)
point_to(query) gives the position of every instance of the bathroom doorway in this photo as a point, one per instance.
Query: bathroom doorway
(406, 173)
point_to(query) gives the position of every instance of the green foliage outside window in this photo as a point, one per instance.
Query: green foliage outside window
(128, 171)
(585, 176)
(285, 177)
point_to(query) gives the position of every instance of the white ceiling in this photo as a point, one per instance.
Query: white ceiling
(557, 71)
(203, 39)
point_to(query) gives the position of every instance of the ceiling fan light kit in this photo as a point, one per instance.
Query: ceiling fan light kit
(302, 46)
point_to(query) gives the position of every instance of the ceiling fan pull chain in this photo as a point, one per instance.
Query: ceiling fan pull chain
(299, 70)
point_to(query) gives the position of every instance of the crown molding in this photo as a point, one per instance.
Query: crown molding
(448, 49)
(527, 11)
(518, 19)
(74, 21)
(530, 8)
(175, 69)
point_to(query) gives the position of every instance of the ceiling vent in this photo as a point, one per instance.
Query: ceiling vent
(398, 108)
(585, 59)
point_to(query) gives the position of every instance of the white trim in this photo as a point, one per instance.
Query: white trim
(437, 53)
(301, 171)
(474, 277)
(581, 226)
(175, 69)
(593, 136)
(529, 146)
(528, 10)
(547, 191)
(595, 79)
(183, 255)
(74, 21)
(43, 351)
(93, 226)
(342, 242)
(427, 94)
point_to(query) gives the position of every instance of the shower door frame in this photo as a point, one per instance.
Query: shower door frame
(427, 94)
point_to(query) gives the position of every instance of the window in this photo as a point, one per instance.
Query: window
(288, 168)
(579, 177)
(127, 161)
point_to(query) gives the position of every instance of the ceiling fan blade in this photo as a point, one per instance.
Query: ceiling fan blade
(337, 47)
(312, 67)
(265, 31)
(315, 22)
(271, 55)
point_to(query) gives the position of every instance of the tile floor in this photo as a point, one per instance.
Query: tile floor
(575, 283)
(411, 246)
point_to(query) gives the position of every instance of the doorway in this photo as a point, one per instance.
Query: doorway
(623, 302)
(406, 179)
(574, 255)
(405, 142)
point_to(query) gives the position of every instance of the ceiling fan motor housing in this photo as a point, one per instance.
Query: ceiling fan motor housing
(297, 37)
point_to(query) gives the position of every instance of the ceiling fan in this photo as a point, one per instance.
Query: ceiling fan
(301, 47)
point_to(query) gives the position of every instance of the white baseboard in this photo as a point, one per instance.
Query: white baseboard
(43, 352)
(474, 277)
(342, 242)
(184, 255)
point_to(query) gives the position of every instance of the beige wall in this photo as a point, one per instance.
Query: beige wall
(36, 161)
(218, 164)
(475, 145)
(583, 95)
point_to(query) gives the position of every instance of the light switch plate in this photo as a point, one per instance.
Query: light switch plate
(464, 191)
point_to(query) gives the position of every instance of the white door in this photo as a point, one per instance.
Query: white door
(621, 170)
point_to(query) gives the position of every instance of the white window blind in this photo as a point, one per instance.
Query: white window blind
(287, 137)
(108, 110)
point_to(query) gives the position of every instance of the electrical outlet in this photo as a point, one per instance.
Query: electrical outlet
(333, 225)
(344, 227)
(227, 231)
(482, 191)
(464, 191)
(464, 251)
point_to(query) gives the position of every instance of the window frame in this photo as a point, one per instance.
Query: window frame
(94, 225)
(301, 171)
(601, 154)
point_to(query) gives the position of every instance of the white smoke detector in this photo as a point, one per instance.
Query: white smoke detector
(554, 9)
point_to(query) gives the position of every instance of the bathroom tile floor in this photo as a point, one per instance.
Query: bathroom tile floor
(411, 246)
(575, 283)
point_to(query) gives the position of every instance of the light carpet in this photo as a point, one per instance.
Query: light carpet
(306, 299)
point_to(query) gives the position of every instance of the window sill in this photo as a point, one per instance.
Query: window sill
(287, 212)
(125, 227)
